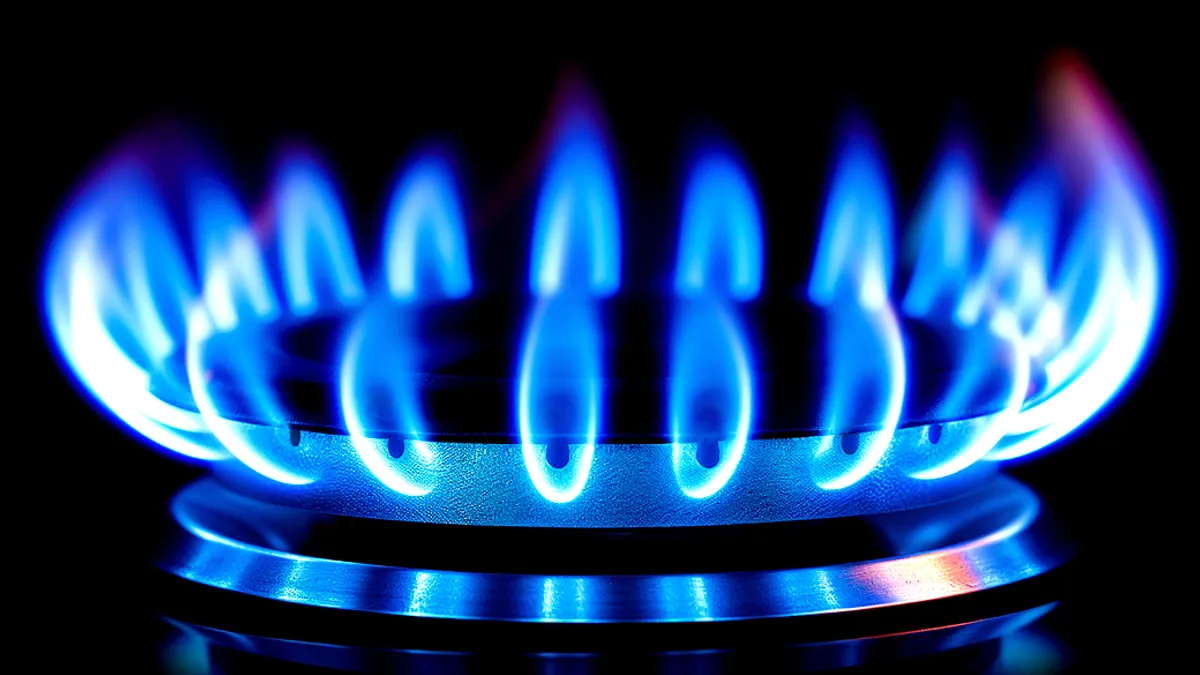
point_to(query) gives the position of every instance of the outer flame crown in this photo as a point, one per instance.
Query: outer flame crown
(254, 341)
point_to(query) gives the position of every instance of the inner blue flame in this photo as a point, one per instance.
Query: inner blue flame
(576, 258)
(851, 280)
(231, 261)
(711, 394)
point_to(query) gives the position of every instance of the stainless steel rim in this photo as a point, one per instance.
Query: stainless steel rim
(620, 486)
(991, 538)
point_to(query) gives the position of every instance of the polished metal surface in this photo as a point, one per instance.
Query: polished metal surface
(984, 540)
(626, 485)
(822, 655)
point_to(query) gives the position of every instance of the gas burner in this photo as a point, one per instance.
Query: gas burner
(413, 442)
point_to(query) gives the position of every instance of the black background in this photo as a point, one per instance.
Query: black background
(87, 496)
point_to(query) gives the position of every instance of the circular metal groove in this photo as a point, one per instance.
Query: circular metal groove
(991, 538)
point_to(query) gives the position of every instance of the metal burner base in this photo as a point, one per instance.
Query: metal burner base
(992, 538)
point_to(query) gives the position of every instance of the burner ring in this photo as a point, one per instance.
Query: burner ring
(629, 485)
(231, 542)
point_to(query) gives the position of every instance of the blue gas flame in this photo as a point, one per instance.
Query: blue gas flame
(558, 396)
(426, 261)
(380, 358)
(231, 260)
(576, 258)
(426, 231)
(162, 292)
(576, 237)
(851, 281)
(1014, 271)
(977, 361)
(710, 394)
(1107, 289)
(314, 237)
(237, 294)
(944, 288)
(118, 288)
(942, 229)
(720, 249)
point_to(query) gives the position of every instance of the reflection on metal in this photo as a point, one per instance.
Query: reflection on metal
(996, 542)
(1019, 628)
